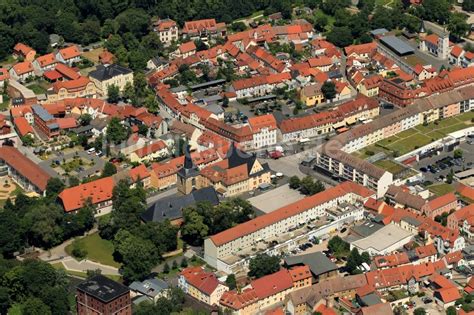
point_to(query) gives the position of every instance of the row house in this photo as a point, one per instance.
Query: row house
(462, 220)
(445, 239)
(21, 71)
(420, 255)
(203, 29)
(201, 285)
(361, 51)
(245, 235)
(440, 205)
(266, 291)
(45, 63)
(268, 60)
(259, 85)
(155, 150)
(264, 131)
(309, 126)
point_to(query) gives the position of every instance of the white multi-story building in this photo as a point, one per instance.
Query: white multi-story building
(167, 30)
(264, 130)
(221, 251)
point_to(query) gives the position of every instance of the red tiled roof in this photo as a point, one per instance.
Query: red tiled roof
(187, 47)
(272, 284)
(288, 211)
(202, 280)
(368, 48)
(22, 126)
(66, 123)
(456, 51)
(23, 165)
(439, 202)
(70, 52)
(46, 60)
(151, 148)
(448, 295)
(257, 123)
(300, 273)
(98, 191)
(22, 48)
(324, 310)
(73, 85)
(321, 61)
(23, 67)
(4, 75)
(138, 173)
(237, 301)
(66, 71)
(465, 191)
(52, 75)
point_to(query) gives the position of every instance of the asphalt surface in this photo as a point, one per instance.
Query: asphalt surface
(468, 155)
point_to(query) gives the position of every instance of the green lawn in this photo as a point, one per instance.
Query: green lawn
(330, 19)
(6, 102)
(419, 136)
(37, 89)
(441, 189)
(390, 166)
(98, 249)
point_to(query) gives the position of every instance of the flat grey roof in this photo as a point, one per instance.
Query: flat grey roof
(397, 45)
(383, 238)
(379, 31)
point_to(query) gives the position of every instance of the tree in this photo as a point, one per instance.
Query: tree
(193, 230)
(109, 170)
(231, 281)
(340, 36)
(294, 182)
(116, 132)
(43, 222)
(309, 187)
(353, 261)
(436, 10)
(85, 119)
(458, 153)
(329, 90)
(138, 255)
(143, 129)
(262, 265)
(468, 5)
(419, 311)
(338, 246)
(34, 306)
(451, 310)
(166, 268)
(174, 265)
(27, 140)
(184, 262)
(54, 187)
(113, 93)
(457, 25)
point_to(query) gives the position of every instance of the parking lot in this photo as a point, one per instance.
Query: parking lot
(436, 168)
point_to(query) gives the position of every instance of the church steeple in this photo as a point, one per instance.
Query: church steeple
(187, 174)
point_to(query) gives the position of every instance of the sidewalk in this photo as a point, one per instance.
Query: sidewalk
(71, 264)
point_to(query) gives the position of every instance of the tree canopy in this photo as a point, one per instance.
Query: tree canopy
(262, 265)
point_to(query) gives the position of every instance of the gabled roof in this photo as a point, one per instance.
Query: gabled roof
(69, 52)
(23, 165)
(46, 60)
(98, 191)
(22, 126)
(288, 211)
(187, 47)
(23, 67)
(204, 281)
(272, 284)
(22, 48)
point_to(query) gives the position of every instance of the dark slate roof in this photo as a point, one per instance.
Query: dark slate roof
(150, 287)
(318, 263)
(103, 73)
(171, 207)
(238, 157)
(189, 169)
(103, 288)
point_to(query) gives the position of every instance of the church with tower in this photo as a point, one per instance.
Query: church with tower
(436, 44)
(237, 173)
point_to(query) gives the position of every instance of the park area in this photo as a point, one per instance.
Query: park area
(417, 137)
(96, 249)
